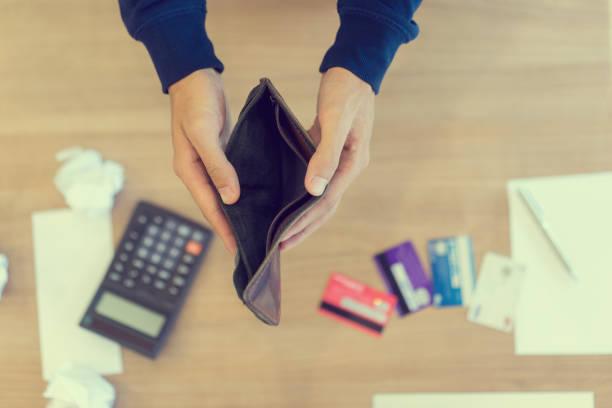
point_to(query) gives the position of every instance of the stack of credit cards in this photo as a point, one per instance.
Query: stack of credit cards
(409, 288)
(356, 304)
(453, 271)
(405, 277)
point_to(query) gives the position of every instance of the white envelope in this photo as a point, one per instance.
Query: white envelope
(557, 314)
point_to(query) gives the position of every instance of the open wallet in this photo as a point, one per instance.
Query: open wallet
(270, 151)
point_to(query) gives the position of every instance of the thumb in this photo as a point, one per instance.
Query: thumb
(220, 171)
(324, 162)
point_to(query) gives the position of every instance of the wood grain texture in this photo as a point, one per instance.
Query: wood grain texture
(490, 91)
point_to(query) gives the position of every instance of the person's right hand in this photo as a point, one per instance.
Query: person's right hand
(200, 129)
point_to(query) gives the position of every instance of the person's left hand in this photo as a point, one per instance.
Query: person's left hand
(342, 131)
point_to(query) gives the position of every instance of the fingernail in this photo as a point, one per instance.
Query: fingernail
(317, 185)
(226, 194)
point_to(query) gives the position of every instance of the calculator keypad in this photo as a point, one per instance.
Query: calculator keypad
(157, 256)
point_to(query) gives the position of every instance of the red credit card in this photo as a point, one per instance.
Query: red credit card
(356, 304)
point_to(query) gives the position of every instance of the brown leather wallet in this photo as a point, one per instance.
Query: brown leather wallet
(270, 151)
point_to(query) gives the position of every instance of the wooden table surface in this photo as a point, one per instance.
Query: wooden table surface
(489, 92)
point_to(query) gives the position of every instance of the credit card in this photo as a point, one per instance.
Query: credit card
(452, 269)
(494, 301)
(403, 274)
(356, 304)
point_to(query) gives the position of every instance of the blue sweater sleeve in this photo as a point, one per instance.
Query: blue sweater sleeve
(370, 33)
(175, 36)
(174, 33)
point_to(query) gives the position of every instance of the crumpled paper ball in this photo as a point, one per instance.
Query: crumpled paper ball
(77, 386)
(87, 181)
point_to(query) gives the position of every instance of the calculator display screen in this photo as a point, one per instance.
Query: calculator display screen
(130, 314)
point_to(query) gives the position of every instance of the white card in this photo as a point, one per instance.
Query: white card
(494, 301)
(71, 253)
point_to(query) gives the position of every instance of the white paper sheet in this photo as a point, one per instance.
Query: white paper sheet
(4, 265)
(71, 253)
(557, 314)
(487, 400)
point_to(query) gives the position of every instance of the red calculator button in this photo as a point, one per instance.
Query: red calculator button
(194, 248)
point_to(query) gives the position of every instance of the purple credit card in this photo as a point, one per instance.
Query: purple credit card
(404, 276)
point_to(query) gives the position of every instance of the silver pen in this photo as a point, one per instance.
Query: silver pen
(538, 215)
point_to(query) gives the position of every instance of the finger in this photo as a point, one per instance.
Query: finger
(315, 132)
(205, 137)
(193, 175)
(227, 127)
(324, 162)
(345, 175)
(298, 238)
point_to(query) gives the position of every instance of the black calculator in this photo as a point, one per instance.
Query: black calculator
(148, 279)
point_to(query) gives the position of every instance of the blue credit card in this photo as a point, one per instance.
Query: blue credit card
(453, 271)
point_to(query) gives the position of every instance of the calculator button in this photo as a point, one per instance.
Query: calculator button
(165, 236)
(174, 252)
(161, 285)
(161, 247)
(129, 246)
(158, 219)
(164, 274)
(173, 291)
(184, 230)
(133, 273)
(133, 235)
(152, 269)
(188, 258)
(147, 241)
(179, 242)
(198, 236)
(142, 219)
(171, 224)
(153, 230)
(129, 283)
(142, 253)
(118, 267)
(156, 258)
(194, 248)
(115, 277)
(138, 263)
(168, 264)
(123, 257)
(146, 279)
(183, 269)
(178, 281)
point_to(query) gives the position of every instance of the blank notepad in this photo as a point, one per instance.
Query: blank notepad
(555, 313)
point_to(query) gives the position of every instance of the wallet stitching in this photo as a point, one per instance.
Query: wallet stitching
(287, 138)
(293, 119)
(258, 274)
(291, 204)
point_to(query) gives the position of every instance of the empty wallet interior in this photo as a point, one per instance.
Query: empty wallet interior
(269, 151)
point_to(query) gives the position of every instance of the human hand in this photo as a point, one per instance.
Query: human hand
(342, 131)
(200, 130)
